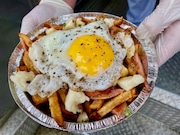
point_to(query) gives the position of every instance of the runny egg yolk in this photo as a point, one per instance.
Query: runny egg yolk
(92, 54)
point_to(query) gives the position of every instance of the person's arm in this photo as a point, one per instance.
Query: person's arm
(164, 26)
(44, 10)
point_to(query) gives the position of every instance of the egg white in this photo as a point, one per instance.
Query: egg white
(49, 56)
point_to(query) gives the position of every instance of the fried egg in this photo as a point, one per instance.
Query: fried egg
(85, 58)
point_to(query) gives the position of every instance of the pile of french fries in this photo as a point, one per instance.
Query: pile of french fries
(112, 101)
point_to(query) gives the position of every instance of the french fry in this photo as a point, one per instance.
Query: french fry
(130, 51)
(39, 100)
(111, 104)
(114, 30)
(55, 26)
(118, 22)
(134, 94)
(120, 110)
(22, 68)
(24, 46)
(96, 104)
(26, 39)
(27, 61)
(87, 109)
(62, 94)
(69, 116)
(55, 109)
(100, 17)
(85, 20)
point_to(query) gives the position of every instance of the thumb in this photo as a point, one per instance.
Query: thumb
(32, 19)
(166, 13)
(42, 12)
(28, 24)
(168, 43)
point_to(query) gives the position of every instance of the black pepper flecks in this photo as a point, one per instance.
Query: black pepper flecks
(98, 40)
(78, 30)
(28, 82)
(71, 60)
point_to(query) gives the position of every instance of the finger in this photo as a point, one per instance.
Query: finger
(42, 13)
(29, 21)
(168, 43)
(27, 25)
(166, 13)
(36, 16)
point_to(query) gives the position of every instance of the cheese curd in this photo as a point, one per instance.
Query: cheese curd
(73, 99)
(22, 79)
